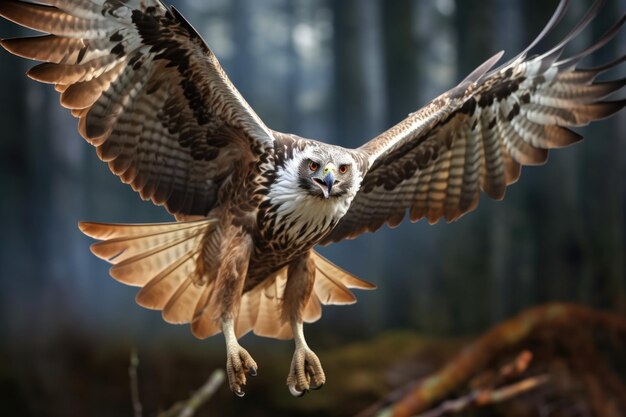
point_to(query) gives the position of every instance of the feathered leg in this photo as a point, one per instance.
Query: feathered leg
(306, 370)
(231, 276)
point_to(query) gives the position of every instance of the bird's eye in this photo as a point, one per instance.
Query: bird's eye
(313, 166)
(343, 169)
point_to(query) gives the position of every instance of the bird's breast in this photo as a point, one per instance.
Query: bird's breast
(300, 222)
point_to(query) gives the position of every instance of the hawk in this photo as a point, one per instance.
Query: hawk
(251, 203)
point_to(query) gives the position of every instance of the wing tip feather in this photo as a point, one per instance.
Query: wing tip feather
(10, 45)
(19, 12)
(42, 73)
(603, 110)
(89, 228)
(25, 47)
(101, 252)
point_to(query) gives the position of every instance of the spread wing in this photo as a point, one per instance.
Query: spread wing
(149, 93)
(479, 134)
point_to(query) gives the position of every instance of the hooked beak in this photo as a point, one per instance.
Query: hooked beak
(329, 180)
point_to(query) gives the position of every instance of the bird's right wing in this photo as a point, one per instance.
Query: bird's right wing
(149, 93)
(477, 136)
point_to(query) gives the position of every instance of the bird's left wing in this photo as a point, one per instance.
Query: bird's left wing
(479, 134)
(150, 95)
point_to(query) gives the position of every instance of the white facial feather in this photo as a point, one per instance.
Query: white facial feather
(296, 203)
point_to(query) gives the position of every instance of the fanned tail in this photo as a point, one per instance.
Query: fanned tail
(260, 309)
(162, 258)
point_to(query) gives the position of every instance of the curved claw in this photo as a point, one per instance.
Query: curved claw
(294, 391)
(316, 387)
(238, 364)
(305, 373)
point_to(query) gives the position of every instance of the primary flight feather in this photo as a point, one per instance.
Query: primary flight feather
(251, 203)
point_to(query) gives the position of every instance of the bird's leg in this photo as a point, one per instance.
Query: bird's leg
(306, 370)
(238, 360)
(231, 277)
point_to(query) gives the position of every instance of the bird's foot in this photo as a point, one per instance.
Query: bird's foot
(305, 373)
(238, 364)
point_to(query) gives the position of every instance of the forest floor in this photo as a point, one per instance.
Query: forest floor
(553, 360)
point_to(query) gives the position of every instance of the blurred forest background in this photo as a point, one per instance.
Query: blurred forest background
(341, 71)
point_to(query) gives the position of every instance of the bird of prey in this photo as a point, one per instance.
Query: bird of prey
(251, 203)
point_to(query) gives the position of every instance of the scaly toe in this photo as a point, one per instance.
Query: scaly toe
(238, 363)
(317, 380)
(315, 371)
(315, 387)
(305, 373)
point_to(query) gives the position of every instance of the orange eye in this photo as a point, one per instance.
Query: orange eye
(313, 166)
(343, 169)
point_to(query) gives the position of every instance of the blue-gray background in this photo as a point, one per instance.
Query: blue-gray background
(338, 71)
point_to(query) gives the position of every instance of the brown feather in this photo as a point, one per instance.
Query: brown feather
(48, 48)
(327, 268)
(313, 309)
(67, 74)
(52, 20)
(158, 257)
(180, 307)
(480, 133)
(158, 291)
(111, 61)
(248, 311)
(205, 322)
(84, 94)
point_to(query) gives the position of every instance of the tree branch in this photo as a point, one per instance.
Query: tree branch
(483, 397)
(187, 408)
(134, 384)
(421, 395)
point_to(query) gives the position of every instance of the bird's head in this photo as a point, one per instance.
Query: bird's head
(327, 173)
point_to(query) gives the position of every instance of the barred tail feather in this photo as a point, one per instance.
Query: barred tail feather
(161, 258)
(260, 309)
(204, 323)
(332, 283)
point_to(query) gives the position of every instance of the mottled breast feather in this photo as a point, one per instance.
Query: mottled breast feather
(290, 219)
